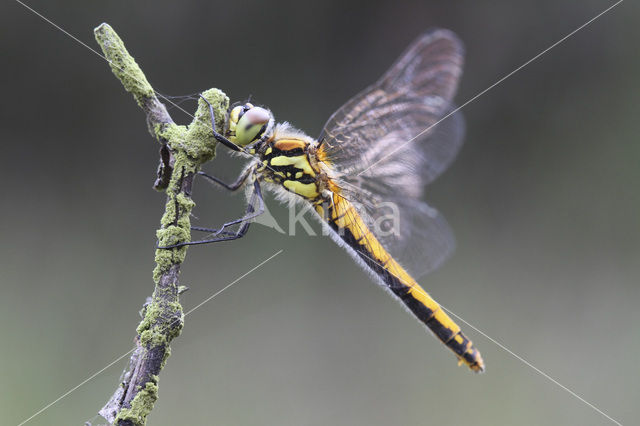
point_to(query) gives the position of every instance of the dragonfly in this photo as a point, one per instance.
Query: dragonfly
(379, 150)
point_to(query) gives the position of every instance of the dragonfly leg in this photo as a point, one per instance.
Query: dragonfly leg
(220, 234)
(230, 186)
(220, 138)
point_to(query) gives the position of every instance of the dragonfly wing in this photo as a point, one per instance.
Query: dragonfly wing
(415, 234)
(409, 101)
(388, 196)
(431, 66)
(384, 170)
(395, 137)
(379, 151)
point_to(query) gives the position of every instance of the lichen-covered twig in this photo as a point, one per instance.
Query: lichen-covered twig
(185, 148)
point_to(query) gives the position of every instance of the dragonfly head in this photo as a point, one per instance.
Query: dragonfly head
(249, 124)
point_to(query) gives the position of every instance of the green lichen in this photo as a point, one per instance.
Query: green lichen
(199, 143)
(122, 64)
(165, 259)
(141, 405)
(171, 132)
(161, 324)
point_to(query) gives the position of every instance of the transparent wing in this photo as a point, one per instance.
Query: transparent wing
(408, 101)
(389, 198)
(388, 142)
(415, 234)
(383, 171)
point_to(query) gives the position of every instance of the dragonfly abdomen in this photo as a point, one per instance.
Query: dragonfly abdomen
(343, 218)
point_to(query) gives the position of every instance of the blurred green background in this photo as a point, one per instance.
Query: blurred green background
(543, 198)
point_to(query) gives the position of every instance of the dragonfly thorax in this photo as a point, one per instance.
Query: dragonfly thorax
(288, 159)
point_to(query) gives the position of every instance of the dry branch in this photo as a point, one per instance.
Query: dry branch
(184, 150)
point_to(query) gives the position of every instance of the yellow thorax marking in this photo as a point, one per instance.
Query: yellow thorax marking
(308, 190)
(299, 161)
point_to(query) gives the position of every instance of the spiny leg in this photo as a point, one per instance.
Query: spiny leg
(250, 213)
(229, 237)
(230, 186)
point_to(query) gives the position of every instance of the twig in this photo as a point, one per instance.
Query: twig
(188, 147)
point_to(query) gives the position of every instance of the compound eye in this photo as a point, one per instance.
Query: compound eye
(234, 116)
(244, 108)
(250, 125)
